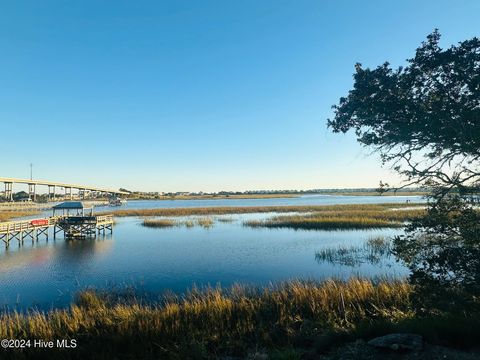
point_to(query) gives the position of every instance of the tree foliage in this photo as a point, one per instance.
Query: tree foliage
(424, 120)
(442, 250)
(382, 188)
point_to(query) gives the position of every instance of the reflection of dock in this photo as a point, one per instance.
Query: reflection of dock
(76, 225)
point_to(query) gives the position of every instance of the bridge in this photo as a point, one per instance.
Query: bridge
(32, 188)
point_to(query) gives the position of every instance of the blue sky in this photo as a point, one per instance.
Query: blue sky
(199, 95)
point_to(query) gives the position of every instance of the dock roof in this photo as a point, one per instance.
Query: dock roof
(70, 205)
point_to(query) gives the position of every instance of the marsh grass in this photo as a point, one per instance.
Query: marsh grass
(375, 193)
(10, 215)
(205, 222)
(379, 244)
(216, 323)
(329, 217)
(159, 223)
(341, 255)
(343, 218)
(189, 223)
(372, 251)
(203, 211)
(210, 322)
(230, 196)
(226, 219)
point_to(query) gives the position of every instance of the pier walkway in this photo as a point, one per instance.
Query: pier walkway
(72, 226)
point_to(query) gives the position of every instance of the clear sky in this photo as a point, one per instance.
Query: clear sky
(199, 95)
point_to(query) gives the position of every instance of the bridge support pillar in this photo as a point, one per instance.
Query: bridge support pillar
(68, 192)
(51, 192)
(32, 192)
(9, 191)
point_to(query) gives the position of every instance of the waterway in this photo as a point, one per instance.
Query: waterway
(48, 274)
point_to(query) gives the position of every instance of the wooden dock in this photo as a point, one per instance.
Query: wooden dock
(83, 226)
(71, 226)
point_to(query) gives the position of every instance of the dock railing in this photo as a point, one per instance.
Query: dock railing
(29, 224)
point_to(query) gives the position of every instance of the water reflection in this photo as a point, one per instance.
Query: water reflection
(71, 252)
(78, 251)
(47, 274)
(12, 260)
(375, 251)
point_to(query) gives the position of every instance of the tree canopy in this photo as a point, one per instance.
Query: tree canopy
(423, 117)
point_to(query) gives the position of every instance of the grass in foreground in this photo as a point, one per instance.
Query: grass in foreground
(343, 218)
(292, 318)
(215, 321)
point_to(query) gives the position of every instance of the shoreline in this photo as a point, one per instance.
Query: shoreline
(225, 210)
(290, 320)
(280, 196)
(30, 206)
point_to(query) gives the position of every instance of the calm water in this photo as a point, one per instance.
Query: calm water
(47, 274)
(301, 200)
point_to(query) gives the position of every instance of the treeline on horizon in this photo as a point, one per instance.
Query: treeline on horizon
(290, 191)
(23, 195)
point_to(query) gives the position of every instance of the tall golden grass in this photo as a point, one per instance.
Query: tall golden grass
(330, 219)
(159, 223)
(205, 222)
(206, 324)
(223, 210)
(9, 215)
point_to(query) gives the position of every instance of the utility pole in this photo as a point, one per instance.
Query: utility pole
(31, 171)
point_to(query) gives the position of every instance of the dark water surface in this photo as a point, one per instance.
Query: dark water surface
(48, 274)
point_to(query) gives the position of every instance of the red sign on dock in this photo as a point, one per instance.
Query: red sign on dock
(39, 222)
